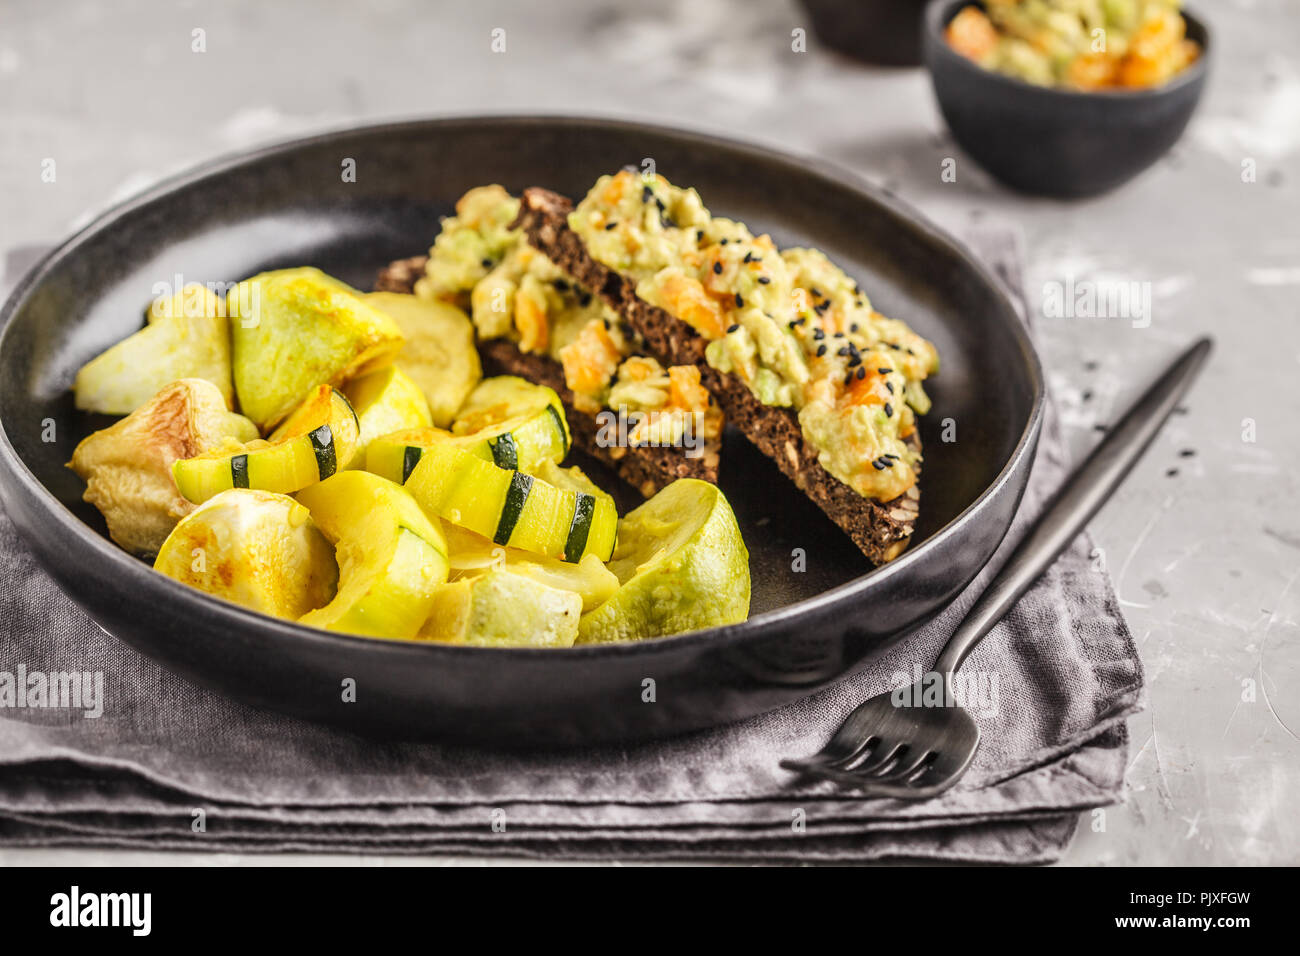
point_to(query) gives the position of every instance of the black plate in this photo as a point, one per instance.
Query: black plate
(288, 205)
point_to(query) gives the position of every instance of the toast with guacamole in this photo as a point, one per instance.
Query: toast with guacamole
(651, 423)
(790, 346)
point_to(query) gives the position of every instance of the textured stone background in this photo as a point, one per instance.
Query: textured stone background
(1204, 550)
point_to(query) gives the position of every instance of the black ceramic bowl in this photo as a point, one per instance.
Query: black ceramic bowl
(883, 32)
(286, 205)
(1052, 142)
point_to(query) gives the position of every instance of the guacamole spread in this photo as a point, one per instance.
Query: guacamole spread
(513, 291)
(789, 324)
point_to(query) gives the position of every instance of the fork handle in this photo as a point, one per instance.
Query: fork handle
(1074, 505)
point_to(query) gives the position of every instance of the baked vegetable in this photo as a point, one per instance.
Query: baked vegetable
(503, 609)
(512, 507)
(385, 401)
(471, 554)
(296, 328)
(255, 548)
(391, 556)
(683, 565)
(312, 444)
(439, 354)
(187, 337)
(127, 467)
(523, 422)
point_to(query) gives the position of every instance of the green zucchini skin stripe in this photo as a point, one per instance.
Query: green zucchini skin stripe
(584, 509)
(411, 455)
(520, 487)
(322, 443)
(239, 471)
(558, 422)
(505, 453)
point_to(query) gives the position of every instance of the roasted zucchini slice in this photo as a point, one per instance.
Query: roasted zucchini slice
(128, 466)
(392, 558)
(439, 354)
(471, 555)
(296, 328)
(523, 422)
(385, 401)
(683, 565)
(509, 422)
(503, 608)
(187, 337)
(312, 444)
(512, 507)
(255, 548)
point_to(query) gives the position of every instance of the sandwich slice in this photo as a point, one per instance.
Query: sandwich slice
(651, 423)
(789, 345)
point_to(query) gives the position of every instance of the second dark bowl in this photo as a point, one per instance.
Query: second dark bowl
(1056, 142)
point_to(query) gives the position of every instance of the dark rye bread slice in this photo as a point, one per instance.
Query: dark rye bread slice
(880, 529)
(646, 468)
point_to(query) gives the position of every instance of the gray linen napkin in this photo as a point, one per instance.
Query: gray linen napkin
(1063, 664)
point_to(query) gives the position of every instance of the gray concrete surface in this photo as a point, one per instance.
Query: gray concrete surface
(1204, 548)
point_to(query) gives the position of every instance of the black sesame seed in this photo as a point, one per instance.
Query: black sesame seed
(733, 327)
(660, 203)
(862, 373)
(740, 303)
(606, 321)
(667, 222)
(584, 300)
(853, 327)
(647, 193)
(1187, 453)
(790, 324)
(884, 371)
(717, 268)
(848, 379)
(699, 235)
(610, 225)
(816, 292)
(724, 242)
(486, 263)
(821, 307)
(859, 303)
(843, 350)
(763, 280)
(855, 361)
(839, 335)
(880, 464)
(821, 350)
(800, 321)
(561, 285)
(819, 333)
(895, 346)
(890, 386)
(889, 410)
(749, 257)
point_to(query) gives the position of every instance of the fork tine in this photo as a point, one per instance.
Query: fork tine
(908, 765)
(880, 758)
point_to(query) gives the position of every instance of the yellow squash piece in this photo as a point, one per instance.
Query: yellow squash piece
(309, 447)
(188, 336)
(683, 564)
(512, 507)
(503, 608)
(296, 328)
(471, 555)
(385, 401)
(523, 423)
(392, 558)
(128, 466)
(255, 548)
(439, 354)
